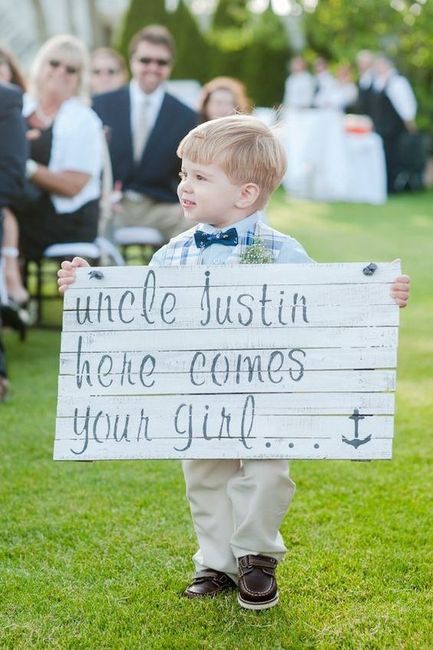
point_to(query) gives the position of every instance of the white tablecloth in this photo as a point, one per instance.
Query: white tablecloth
(325, 163)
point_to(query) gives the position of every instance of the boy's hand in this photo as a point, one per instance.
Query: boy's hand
(400, 289)
(66, 273)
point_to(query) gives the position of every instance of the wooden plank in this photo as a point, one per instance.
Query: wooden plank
(207, 422)
(126, 365)
(101, 299)
(192, 318)
(246, 275)
(377, 448)
(169, 384)
(266, 405)
(253, 338)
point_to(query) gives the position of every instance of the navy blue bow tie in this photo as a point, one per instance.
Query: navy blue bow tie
(205, 239)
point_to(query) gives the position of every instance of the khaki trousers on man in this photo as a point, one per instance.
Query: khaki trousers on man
(237, 508)
(142, 211)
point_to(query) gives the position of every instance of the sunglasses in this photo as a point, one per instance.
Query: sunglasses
(146, 60)
(110, 71)
(70, 69)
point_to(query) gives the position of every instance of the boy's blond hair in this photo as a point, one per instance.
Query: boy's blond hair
(246, 149)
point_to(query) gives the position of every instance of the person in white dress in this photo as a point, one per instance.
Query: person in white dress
(299, 88)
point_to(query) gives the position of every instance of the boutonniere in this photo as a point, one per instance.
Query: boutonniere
(257, 253)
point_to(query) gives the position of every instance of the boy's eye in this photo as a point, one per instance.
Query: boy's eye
(182, 175)
(200, 177)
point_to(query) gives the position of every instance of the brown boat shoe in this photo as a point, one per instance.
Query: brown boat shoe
(257, 583)
(209, 583)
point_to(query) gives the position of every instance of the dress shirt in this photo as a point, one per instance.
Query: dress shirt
(291, 252)
(400, 94)
(325, 85)
(139, 99)
(342, 95)
(366, 80)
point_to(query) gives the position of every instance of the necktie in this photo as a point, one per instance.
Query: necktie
(141, 130)
(205, 239)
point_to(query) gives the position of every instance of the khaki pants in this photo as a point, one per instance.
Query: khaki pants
(237, 508)
(166, 217)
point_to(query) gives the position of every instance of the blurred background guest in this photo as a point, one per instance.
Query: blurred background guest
(13, 152)
(11, 73)
(324, 83)
(343, 94)
(221, 97)
(9, 69)
(392, 107)
(60, 203)
(107, 70)
(365, 63)
(299, 87)
(146, 124)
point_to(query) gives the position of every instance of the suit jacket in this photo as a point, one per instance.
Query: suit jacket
(156, 175)
(13, 144)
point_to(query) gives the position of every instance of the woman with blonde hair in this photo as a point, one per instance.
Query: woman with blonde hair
(65, 136)
(223, 96)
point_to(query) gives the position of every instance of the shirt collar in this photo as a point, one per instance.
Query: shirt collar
(242, 226)
(138, 96)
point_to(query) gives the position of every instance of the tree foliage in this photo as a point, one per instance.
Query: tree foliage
(138, 15)
(192, 49)
(255, 48)
(339, 29)
(264, 67)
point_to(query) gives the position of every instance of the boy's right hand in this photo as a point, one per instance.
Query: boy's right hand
(66, 273)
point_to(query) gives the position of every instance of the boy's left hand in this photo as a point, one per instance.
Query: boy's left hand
(400, 289)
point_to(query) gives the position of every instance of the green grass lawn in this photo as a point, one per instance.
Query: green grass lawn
(95, 555)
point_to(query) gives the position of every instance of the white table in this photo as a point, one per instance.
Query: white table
(325, 163)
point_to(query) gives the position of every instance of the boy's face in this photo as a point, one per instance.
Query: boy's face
(207, 195)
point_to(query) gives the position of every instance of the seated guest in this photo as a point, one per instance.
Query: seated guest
(145, 125)
(10, 73)
(107, 70)
(61, 201)
(299, 88)
(221, 97)
(12, 160)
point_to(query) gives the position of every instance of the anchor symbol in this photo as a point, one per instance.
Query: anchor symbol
(356, 441)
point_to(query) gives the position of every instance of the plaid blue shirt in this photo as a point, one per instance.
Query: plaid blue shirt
(182, 250)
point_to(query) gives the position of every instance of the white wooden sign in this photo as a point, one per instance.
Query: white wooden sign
(249, 361)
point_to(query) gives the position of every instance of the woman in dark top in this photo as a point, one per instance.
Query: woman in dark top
(61, 201)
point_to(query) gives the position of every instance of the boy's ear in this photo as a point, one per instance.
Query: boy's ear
(249, 193)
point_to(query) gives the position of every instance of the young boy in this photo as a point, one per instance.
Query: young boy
(230, 166)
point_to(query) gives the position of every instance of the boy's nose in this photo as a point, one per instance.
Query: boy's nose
(185, 185)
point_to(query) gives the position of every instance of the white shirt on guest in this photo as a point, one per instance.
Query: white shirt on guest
(139, 99)
(325, 84)
(299, 90)
(77, 146)
(366, 80)
(400, 94)
(341, 95)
